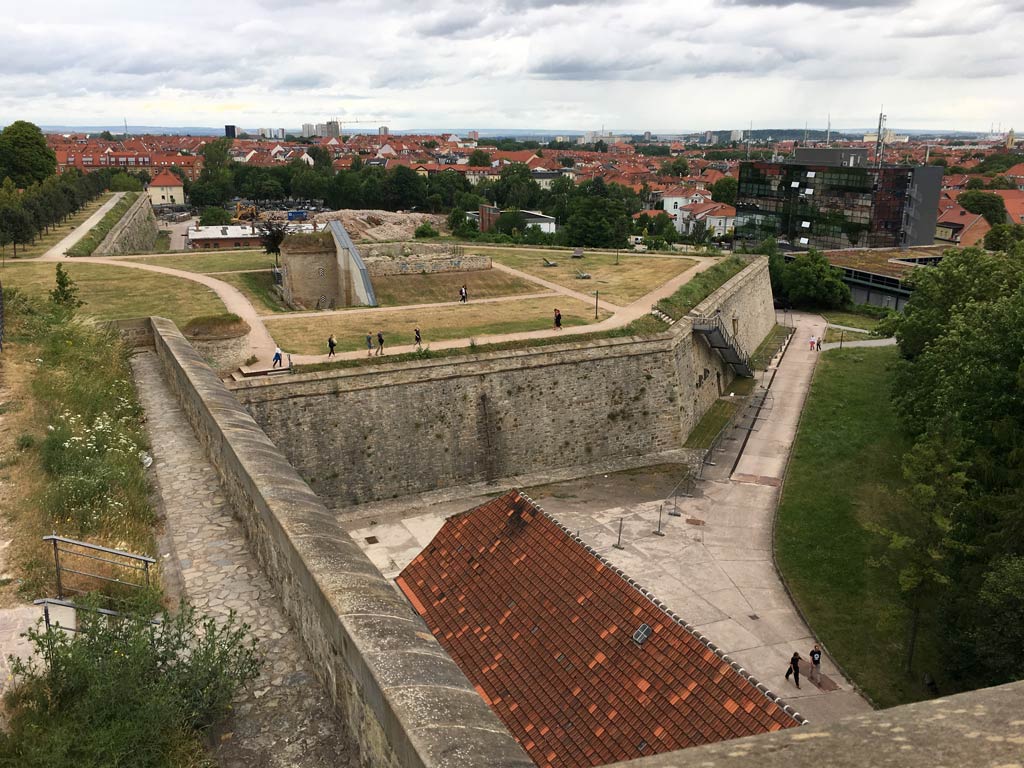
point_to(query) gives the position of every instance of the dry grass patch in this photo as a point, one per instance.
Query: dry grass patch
(58, 233)
(115, 293)
(308, 335)
(206, 263)
(401, 290)
(633, 277)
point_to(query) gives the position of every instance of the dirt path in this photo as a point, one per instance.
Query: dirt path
(57, 252)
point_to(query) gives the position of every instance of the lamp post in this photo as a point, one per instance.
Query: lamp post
(595, 304)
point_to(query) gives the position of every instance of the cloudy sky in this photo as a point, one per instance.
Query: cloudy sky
(546, 64)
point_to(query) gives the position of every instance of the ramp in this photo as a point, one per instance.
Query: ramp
(352, 263)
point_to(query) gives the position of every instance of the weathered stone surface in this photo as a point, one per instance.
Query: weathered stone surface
(360, 658)
(981, 728)
(136, 232)
(366, 435)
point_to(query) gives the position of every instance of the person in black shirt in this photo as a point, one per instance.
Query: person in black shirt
(816, 665)
(794, 668)
(380, 342)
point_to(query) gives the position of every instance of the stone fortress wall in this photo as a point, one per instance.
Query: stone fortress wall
(136, 232)
(360, 435)
(419, 258)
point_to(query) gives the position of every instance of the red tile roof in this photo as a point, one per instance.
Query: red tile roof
(166, 179)
(544, 629)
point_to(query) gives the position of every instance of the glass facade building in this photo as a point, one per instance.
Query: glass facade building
(832, 206)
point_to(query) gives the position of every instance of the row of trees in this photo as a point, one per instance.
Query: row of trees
(956, 542)
(26, 214)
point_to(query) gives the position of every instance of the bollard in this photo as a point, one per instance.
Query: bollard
(618, 544)
(659, 532)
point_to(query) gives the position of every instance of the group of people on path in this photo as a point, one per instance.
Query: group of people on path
(794, 666)
(815, 343)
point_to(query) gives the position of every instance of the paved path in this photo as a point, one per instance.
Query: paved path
(57, 251)
(284, 718)
(403, 308)
(848, 328)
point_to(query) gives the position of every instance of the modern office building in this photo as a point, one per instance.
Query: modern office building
(837, 202)
(230, 131)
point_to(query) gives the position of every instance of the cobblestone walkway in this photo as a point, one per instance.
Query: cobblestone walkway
(284, 718)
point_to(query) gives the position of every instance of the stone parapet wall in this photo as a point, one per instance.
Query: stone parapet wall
(980, 728)
(406, 702)
(360, 435)
(416, 265)
(136, 232)
(223, 354)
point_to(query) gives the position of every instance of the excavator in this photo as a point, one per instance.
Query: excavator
(245, 214)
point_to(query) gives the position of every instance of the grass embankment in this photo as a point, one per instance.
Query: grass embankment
(49, 239)
(852, 319)
(91, 241)
(643, 327)
(623, 283)
(700, 287)
(115, 293)
(402, 290)
(258, 288)
(126, 691)
(843, 472)
(207, 262)
(712, 423)
(769, 347)
(308, 335)
(81, 449)
(225, 326)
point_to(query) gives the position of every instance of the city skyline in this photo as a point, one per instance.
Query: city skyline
(523, 64)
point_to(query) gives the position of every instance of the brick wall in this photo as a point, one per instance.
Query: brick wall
(363, 435)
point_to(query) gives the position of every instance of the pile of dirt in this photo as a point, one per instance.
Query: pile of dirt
(381, 225)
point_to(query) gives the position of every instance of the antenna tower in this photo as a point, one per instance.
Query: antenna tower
(879, 140)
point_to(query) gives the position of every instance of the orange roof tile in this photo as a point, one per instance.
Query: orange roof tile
(166, 179)
(545, 630)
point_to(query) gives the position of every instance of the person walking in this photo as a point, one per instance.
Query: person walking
(331, 344)
(380, 342)
(463, 295)
(813, 342)
(816, 665)
(369, 344)
(818, 343)
(794, 668)
(278, 363)
(558, 320)
(418, 339)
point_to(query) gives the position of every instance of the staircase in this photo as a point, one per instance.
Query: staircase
(718, 337)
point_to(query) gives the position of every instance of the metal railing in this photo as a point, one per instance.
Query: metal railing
(72, 548)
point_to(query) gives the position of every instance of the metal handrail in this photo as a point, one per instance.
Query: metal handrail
(98, 548)
(57, 550)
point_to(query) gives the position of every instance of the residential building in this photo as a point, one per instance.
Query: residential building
(308, 130)
(719, 218)
(166, 189)
(826, 205)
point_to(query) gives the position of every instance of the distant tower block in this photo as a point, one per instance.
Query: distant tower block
(1011, 140)
(382, 131)
(230, 131)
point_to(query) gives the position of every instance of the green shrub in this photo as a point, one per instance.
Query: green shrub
(425, 230)
(125, 691)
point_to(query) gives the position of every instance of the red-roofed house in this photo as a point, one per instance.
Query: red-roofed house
(1014, 200)
(581, 666)
(1016, 175)
(166, 189)
(719, 218)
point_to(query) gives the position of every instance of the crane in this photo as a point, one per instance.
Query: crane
(343, 123)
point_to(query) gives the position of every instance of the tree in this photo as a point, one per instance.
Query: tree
(675, 167)
(1004, 237)
(16, 226)
(214, 216)
(272, 234)
(988, 204)
(919, 544)
(65, 294)
(24, 156)
(1001, 182)
(425, 230)
(810, 281)
(1000, 636)
(601, 146)
(724, 190)
(216, 157)
(322, 160)
(975, 183)
(404, 189)
(478, 158)
(122, 182)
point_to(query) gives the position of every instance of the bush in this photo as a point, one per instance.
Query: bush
(214, 216)
(124, 691)
(425, 230)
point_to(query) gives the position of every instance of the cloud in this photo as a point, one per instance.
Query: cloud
(835, 5)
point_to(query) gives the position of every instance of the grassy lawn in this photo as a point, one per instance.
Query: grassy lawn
(766, 349)
(852, 319)
(634, 276)
(400, 290)
(113, 293)
(256, 287)
(701, 286)
(206, 262)
(98, 233)
(707, 428)
(835, 334)
(308, 335)
(58, 233)
(844, 468)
